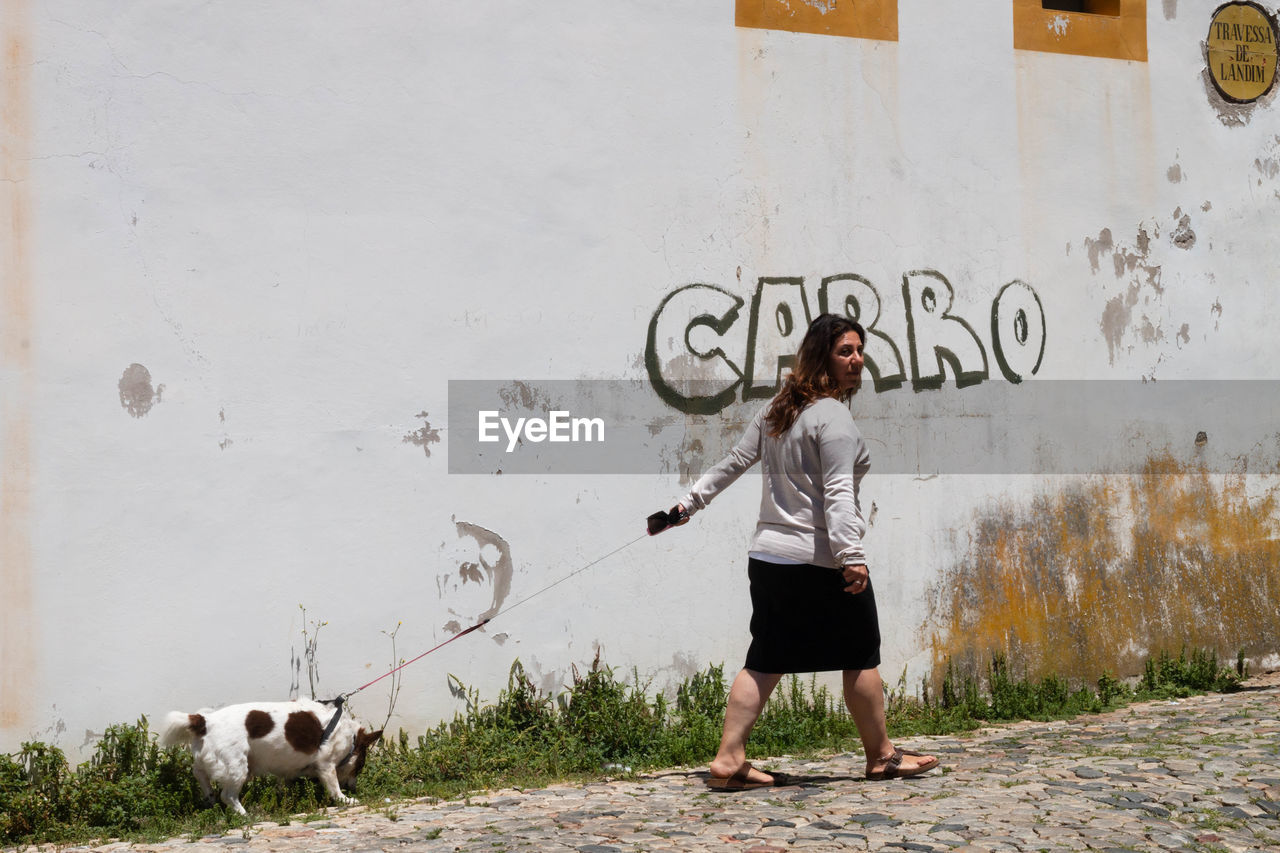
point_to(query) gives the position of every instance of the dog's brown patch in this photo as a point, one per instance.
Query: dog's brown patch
(258, 723)
(354, 763)
(196, 723)
(303, 731)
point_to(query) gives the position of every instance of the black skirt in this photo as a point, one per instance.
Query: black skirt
(802, 620)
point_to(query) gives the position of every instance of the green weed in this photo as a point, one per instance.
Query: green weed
(134, 790)
(1167, 677)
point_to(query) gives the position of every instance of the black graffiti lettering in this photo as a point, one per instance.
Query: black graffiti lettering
(779, 318)
(853, 296)
(1017, 330)
(934, 329)
(679, 317)
(697, 326)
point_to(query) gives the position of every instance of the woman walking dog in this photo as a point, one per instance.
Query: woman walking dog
(813, 606)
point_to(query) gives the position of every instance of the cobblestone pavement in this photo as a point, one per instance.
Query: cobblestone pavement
(1195, 774)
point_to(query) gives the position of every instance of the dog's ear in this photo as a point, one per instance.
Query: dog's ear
(373, 738)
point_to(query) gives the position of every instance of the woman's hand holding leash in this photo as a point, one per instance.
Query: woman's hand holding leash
(673, 517)
(857, 577)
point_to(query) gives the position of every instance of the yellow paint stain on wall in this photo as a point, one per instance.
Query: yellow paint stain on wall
(1117, 30)
(1099, 577)
(16, 380)
(868, 19)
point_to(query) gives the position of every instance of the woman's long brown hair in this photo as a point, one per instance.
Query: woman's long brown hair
(809, 379)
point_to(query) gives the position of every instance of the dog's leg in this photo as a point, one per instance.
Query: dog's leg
(328, 777)
(231, 796)
(236, 774)
(202, 778)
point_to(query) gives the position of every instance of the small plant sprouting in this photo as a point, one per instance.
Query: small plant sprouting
(396, 675)
(310, 639)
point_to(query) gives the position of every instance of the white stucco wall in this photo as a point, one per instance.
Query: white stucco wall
(303, 220)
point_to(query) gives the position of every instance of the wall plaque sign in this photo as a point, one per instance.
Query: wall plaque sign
(1242, 51)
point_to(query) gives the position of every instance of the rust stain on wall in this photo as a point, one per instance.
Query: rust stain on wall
(17, 656)
(1098, 577)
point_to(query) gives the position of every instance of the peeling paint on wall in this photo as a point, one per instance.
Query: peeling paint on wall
(136, 394)
(424, 436)
(823, 6)
(1230, 113)
(489, 569)
(522, 395)
(1170, 9)
(1115, 319)
(1136, 314)
(1174, 174)
(226, 440)
(1183, 236)
(1268, 165)
(1100, 576)
(1095, 248)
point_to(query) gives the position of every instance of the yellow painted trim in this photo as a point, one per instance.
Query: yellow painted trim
(1122, 36)
(868, 19)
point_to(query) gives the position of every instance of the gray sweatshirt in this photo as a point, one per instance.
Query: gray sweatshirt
(809, 509)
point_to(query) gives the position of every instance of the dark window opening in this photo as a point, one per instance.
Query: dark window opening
(1091, 7)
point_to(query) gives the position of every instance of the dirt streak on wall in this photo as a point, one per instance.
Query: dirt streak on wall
(1098, 577)
(16, 381)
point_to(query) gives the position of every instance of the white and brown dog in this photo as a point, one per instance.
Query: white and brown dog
(286, 739)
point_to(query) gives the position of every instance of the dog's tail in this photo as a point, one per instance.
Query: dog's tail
(181, 729)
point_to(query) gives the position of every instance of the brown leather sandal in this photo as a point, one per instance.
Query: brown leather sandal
(739, 781)
(893, 766)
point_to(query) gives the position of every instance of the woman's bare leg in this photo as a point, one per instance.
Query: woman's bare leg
(747, 697)
(864, 697)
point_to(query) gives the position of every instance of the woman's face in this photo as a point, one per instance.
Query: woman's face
(845, 364)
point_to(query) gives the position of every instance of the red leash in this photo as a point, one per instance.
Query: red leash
(484, 622)
(418, 658)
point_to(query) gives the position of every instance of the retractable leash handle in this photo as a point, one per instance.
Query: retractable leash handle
(662, 520)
